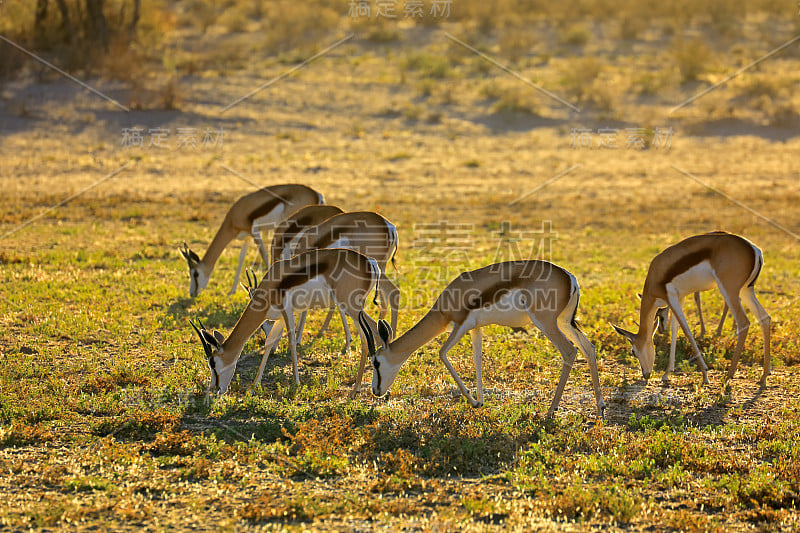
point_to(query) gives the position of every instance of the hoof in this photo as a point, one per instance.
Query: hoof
(477, 405)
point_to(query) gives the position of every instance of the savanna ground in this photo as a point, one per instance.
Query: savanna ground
(104, 418)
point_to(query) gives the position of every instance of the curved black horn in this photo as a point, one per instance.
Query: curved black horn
(206, 346)
(362, 321)
(252, 280)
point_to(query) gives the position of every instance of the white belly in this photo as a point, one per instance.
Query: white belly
(700, 277)
(313, 294)
(270, 220)
(507, 311)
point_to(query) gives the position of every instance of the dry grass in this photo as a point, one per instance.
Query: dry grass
(104, 422)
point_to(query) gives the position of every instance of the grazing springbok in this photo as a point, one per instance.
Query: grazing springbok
(251, 214)
(269, 349)
(318, 278)
(513, 294)
(698, 263)
(365, 232)
(285, 234)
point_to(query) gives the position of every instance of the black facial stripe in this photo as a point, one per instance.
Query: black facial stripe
(377, 365)
(213, 365)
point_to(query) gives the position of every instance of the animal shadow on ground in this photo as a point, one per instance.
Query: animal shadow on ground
(675, 405)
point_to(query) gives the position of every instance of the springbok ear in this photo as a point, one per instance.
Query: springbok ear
(218, 337)
(209, 338)
(639, 296)
(625, 333)
(384, 332)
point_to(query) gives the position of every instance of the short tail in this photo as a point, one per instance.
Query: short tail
(759, 263)
(376, 278)
(394, 244)
(574, 300)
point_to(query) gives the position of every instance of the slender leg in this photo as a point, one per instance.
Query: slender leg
(748, 295)
(326, 323)
(477, 357)
(288, 318)
(267, 326)
(348, 338)
(277, 338)
(455, 336)
(261, 248)
(577, 337)
(742, 327)
(700, 314)
(677, 312)
(673, 341)
(242, 255)
(722, 319)
(272, 333)
(301, 324)
(550, 328)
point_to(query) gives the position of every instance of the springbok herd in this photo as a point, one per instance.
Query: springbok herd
(324, 258)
